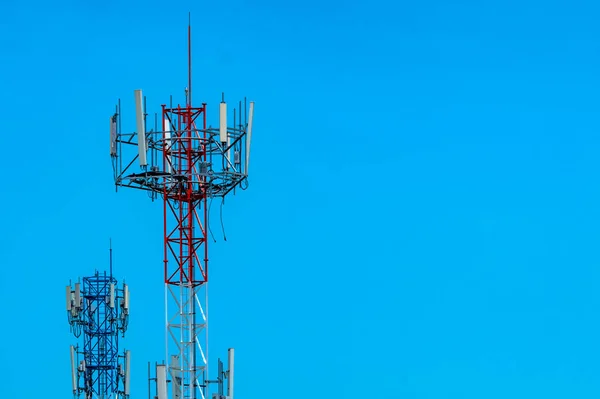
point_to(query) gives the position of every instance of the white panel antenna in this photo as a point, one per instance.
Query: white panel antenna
(141, 128)
(73, 371)
(167, 132)
(125, 298)
(113, 136)
(127, 374)
(249, 135)
(223, 122)
(68, 298)
(161, 381)
(111, 299)
(230, 374)
(77, 296)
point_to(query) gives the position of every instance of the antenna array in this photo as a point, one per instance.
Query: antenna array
(183, 151)
(98, 309)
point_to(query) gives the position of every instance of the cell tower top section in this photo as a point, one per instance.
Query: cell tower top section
(181, 157)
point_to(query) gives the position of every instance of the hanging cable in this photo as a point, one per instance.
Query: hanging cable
(76, 330)
(208, 221)
(222, 226)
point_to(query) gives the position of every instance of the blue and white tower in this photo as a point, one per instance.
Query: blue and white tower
(98, 309)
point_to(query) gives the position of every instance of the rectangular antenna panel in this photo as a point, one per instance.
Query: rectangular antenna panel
(167, 132)
(223, 122)
(77, 296)
(141, 128)
(249, 135)
(230, 374)
(113, 136)
(125, 297)
(127, 374)
(111, 300)
(73, 371)
(161, 381)
(68, 297)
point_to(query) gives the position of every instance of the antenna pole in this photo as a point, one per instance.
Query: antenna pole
(110, 251)
(190, 59)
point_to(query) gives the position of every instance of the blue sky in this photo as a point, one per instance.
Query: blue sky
(422, 218)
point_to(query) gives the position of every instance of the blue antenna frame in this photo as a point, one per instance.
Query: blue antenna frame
(102, 314)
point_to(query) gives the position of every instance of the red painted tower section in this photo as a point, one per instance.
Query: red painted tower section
(183, 154)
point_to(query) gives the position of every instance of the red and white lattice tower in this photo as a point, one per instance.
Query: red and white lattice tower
(187, 165)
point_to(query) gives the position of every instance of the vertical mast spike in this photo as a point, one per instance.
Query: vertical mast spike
(110, 253)
(190, 59)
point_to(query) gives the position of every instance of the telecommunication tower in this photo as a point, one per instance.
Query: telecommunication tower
(99, 309)
(187, 164)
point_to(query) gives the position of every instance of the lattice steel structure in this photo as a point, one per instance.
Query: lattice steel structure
(185, 163)
(100, 310)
